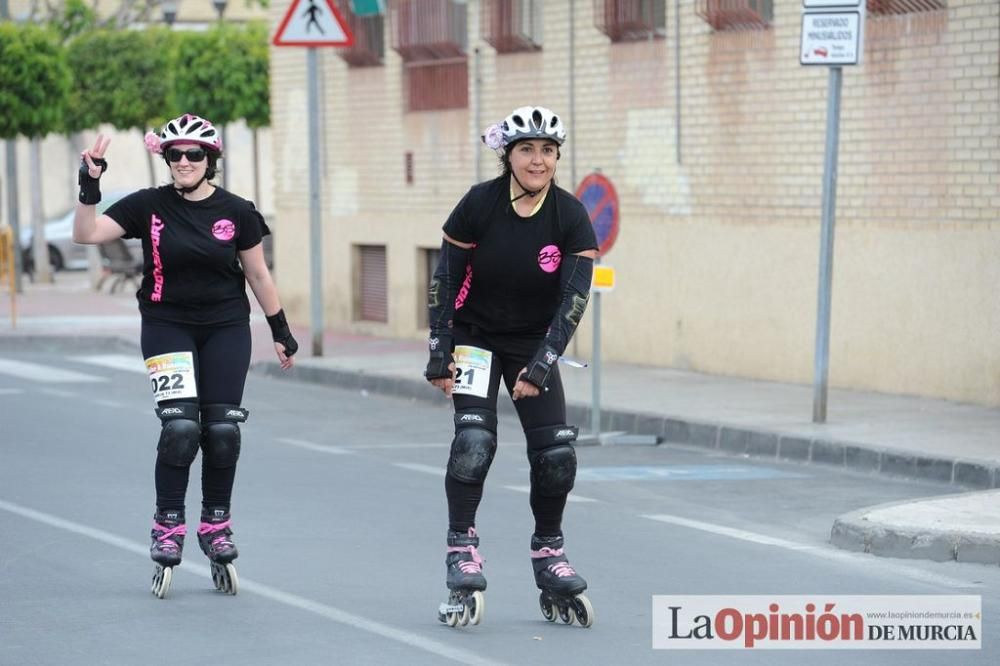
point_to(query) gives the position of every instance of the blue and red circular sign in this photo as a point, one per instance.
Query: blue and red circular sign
(601, 201)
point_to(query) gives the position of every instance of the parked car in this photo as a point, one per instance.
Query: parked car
(64, 254)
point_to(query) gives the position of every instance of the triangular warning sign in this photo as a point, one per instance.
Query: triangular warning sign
(313, 23)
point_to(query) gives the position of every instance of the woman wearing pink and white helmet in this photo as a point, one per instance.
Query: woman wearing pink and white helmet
(201, 246)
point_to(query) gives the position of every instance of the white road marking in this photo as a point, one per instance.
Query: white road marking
(114, 361)
(331, 613)
(426, 469)
(44, 373)
(570, 498)
(58, 393)
(892, 566)
(311, 446)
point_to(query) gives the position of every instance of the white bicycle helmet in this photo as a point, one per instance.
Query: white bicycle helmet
(190, 128)
(532, 122)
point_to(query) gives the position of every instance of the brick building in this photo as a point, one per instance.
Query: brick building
(713, 134)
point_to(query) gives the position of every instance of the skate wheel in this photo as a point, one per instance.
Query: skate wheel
(548, 611)
(161, 580)
(566, 614)
(463, 617)
(584, 610)
(233, 579)
(478, 601)
(452, 619)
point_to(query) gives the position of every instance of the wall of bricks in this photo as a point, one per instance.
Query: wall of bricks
(717, 258)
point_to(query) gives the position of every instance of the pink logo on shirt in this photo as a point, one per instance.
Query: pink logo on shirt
(224, 230)
(549, 258)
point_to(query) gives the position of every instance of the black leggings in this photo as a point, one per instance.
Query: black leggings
(221, 362)
(511, 355)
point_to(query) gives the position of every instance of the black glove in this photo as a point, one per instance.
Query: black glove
(90, 188)
(281, 333)
(540, 367)
(440, 347)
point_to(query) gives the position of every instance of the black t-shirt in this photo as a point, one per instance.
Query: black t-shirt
(513, 285)
(191, 272)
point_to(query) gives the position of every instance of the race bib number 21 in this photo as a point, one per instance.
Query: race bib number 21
(472, 371)
(172, 376)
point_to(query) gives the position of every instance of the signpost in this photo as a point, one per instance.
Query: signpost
(601, 201)
(314, 23)
(832, 35)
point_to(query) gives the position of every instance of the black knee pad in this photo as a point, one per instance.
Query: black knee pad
(552, 459)
(180, 434)
(220, 439)
(474, 445)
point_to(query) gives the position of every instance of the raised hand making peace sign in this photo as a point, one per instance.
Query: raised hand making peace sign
(93, 159)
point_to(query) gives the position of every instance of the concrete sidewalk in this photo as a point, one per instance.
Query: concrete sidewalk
(869, 433)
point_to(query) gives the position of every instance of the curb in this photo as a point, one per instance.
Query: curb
(732, 440)
(854, 531)
(76, 343)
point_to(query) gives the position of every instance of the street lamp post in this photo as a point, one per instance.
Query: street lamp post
(220, 7)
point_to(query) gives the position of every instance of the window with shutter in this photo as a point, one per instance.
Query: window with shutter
(371, 296)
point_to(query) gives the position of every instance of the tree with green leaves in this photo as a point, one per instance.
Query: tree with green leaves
(123, 78)
(223, 74)
(34, 83)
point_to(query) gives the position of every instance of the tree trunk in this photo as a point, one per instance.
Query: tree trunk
(43, 273)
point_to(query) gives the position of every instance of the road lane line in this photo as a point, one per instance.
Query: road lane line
(124, 362)
(312, 446)
(44, 373)
(569, 498)
(426, 469)
(888, 566)
(323, 610)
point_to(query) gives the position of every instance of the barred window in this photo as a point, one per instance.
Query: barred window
(432, 38)
(890, 7)
(510, 26)
(736, 14)
(631, 20)
(369, 37)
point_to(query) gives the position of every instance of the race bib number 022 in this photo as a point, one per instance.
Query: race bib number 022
(472, 371)
(172, 376)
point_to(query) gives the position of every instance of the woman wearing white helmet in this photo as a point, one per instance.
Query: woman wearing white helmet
(201, 246)
(509, 291)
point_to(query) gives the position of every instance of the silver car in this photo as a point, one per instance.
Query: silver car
(64, 254)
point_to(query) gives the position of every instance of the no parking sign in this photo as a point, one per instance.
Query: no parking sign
(601, 201)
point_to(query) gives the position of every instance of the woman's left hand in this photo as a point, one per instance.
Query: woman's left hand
(523, 389)
(286, 361)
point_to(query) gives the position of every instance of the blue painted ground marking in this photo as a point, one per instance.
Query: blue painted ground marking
(683, 473)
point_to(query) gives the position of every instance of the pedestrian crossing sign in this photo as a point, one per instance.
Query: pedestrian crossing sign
(313, 23)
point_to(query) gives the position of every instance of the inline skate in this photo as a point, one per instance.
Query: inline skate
(561, 586)
(167, 547)
(215, 539)
(465, 580)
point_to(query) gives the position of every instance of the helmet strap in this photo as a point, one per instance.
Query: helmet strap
(191, 188)
(526, 192)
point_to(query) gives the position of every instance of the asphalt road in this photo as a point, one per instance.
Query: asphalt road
(340, 517)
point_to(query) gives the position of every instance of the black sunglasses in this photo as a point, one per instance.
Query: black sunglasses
(193, 154)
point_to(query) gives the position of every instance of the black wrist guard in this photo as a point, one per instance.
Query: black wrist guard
(281, 333)
(440, 347)
(540, 367)
(90, 188)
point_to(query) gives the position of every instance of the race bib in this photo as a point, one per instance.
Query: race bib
(472, 371)
(172, 376)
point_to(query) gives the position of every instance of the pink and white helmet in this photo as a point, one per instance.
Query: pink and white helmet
(190, 128)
